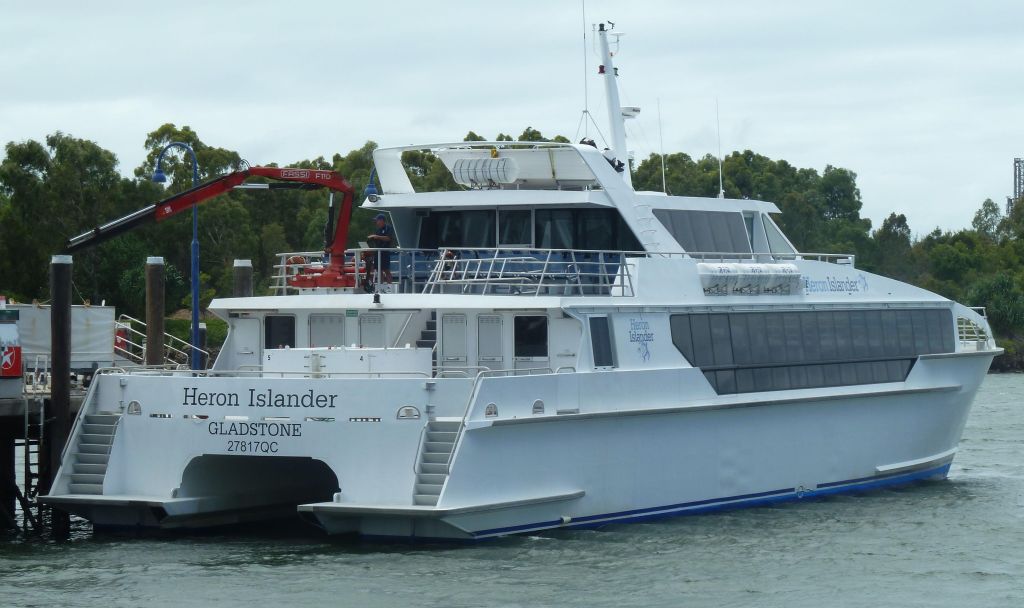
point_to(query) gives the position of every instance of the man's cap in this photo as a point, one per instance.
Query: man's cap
(380, 216)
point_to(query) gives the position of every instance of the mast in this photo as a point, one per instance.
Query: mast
(615, 116)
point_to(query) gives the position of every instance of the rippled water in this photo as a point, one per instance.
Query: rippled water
(954, 543)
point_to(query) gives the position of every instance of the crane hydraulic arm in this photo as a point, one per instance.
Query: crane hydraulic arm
(335, 233)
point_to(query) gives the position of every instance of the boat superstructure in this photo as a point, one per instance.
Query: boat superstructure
(554, 350)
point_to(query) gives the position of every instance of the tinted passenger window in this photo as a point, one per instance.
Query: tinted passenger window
(279, 331)
(601, 339)
(531, 336)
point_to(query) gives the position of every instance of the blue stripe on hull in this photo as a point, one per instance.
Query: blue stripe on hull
(727, 503)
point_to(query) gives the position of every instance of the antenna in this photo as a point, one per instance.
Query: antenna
(586, 68)
(718, 123)
(661, 144)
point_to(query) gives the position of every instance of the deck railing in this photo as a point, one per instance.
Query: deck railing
(505, 270)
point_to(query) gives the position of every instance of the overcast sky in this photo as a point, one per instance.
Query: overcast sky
(923, 100)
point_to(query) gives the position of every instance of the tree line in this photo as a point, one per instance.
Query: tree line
(53, 189)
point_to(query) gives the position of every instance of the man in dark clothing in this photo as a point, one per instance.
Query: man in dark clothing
(382, 238)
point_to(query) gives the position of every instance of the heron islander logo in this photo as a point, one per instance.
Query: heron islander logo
(836, 284)
(258, 398)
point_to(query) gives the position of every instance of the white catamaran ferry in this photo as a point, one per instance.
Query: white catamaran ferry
(554, 350)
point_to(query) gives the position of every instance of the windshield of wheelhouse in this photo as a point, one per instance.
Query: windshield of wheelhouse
(595, 229)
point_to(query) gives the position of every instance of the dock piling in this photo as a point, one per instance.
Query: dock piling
(154, 311)
(60, 392)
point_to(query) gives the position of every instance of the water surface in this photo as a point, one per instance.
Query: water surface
(958, 542)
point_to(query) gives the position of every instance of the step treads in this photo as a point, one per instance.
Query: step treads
(85, 488)
(101, 418)
(95, 478)
(427, 489)
(90, 458)
(426, 500)
(90, 448)
(446, 436)
(98, 429)
(435, 457)
(444, 447)
(431, 478)
(87, 467)
(433, 468)
(96, 439)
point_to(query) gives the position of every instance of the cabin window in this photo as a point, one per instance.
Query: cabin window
(471, 229)
(706, 231)
(770, 351)
(279, 331)
(531, 336)
(326, 330)
(554, 229)
(601, 342)
(776, 242)
(515, 228)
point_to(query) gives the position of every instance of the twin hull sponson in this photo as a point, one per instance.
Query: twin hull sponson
(553, 350)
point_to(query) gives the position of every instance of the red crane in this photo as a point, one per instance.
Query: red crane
(334, 274)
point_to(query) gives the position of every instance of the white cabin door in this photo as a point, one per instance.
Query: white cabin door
(453, 341)
(531, 343)
(246, 338)
(489, 351)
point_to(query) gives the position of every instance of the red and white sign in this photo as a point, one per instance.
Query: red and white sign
(10, 362)
(10, 351)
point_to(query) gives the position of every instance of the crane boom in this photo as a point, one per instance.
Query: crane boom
(334, 275)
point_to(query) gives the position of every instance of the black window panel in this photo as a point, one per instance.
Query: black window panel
(554, 229)
(763, 379)
(905, 330)
(706, 231)
(833, 375)
(876, 346)
(844, 342)
(700, 329)
(627, 240)
(794, 341)
(879, 372)
(681, 337)
(596, 229)
(859, 334)
(600, 337)
(279, 331)
(712, 380)
(759, 351)
(890, 333)
(515, 228)
(865, 373)
(721, 341)
(726, 382)
(847, 373)
(920, 332)
(815, 375)
(449, 228)
(745, 381)
(936, 331)
(478, 228)
(827, 336)
(531, 336)
(948, 339)
(809, 331)
(428, 232)
(894, 371)
(776, 336)
(798, 377)
(740, 339)
(780, 379)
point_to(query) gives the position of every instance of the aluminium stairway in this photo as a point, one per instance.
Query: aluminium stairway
(435, 455)
(89, 464)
